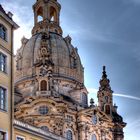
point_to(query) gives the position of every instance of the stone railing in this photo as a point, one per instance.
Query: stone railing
(37, 130)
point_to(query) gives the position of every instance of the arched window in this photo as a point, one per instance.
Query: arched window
(106, 99)
(84, 98)
(94, 137)
(43, 86)
(39, 18)
(69, 135)
(40, 14)
(44, 128)
(3, 32)
(52, 14)
(107, 109)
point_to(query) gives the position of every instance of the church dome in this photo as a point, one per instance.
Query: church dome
(64, 57)
(48, 64)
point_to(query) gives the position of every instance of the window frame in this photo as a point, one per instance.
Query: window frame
(5, 99)
(84, 98)
(5, 32)
(23, 138)
(67, 137)
(44, 128)
(92, 136)
(43, 85)
(40, 110)
(5, 133)
(69, 118)
(5, 62)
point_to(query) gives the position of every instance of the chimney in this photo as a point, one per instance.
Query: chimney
(10, 15)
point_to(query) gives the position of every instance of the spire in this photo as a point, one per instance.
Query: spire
(104, 82)
(104, 72)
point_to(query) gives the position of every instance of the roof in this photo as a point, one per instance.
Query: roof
(7, 17)
(1, 9)
(25, 127)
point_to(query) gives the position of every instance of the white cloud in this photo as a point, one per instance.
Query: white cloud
(127, 96)
(23, 17)
(94, 91)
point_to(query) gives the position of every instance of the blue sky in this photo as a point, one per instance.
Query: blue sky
(106, 32)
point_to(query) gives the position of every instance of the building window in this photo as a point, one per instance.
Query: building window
(106, 99)
(53, 14)
(69, 118)
(2, 62)
(2, 135)
(20, 138)
(69, 135)
(3, 32)
(94, 119)
(2, 98)
(84, 98)
(43, 85)
(94, 137)
(107, 109)
(43, 110)
(44, 128)
(40, 14)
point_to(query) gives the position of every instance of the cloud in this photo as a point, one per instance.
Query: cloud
(94, 91)
(127, 96)
(22, 19)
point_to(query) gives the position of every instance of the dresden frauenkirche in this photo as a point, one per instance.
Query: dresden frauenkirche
(50, 98)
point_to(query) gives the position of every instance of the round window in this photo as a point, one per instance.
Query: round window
(43, 110)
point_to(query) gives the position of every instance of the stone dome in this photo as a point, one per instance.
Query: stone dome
(48, 64)
(65, 58)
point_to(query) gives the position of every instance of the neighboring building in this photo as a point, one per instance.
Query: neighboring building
(51, 100)
(7, 27)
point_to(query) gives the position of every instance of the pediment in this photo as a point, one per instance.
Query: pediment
(88, 113)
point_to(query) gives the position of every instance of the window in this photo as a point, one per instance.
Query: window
(3, 32)
(2, 98)
(40, 14)
(20, 138)
(94, 119)
(43, 85)
(69, 118)
(44, 128)
(2, 135)
(2, 62)
(69, 135)
(53, 14)
(84, 98)
(106, 99)
(94, 137)
(107, 109)
(43, 110)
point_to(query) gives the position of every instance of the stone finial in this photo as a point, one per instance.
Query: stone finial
(115, 107)
(68, 39)
(10, 15)
(24, 40)
(104, 82)
(92, 102)
(104, 72)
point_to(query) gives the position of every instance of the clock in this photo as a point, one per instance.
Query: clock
(94, 119)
